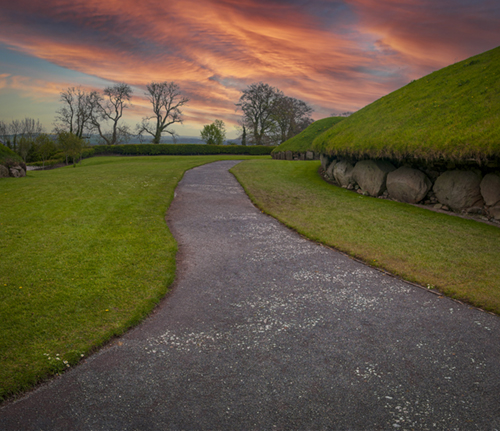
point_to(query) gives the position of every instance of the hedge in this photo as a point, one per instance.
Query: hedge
(181, 149)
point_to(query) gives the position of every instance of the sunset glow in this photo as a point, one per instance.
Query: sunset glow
(336, 55)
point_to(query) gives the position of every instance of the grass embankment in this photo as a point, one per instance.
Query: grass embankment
(6, 154)
(459, 257)
(303, 141)
(453, 113)
(86, 254)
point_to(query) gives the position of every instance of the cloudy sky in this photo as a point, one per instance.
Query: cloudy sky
(337, 55)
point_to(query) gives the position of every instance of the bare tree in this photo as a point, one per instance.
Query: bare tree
(291, 116)
(76, 114)
(15, 131)
(31, 128)
(110, 109)
(270, 116)
(167, 100)
(257, 104)
(4, 132)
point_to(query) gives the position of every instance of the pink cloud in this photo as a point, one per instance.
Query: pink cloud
(336, 56)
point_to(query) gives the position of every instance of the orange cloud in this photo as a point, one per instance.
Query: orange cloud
(337, 56)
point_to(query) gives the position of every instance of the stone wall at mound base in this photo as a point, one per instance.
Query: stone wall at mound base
(467, 188)
(16, 171)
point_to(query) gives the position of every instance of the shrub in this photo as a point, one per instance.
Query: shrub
(181, 149)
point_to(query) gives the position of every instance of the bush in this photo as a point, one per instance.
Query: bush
(181, 149)
(50, 162)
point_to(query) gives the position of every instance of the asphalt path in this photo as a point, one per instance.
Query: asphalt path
(265, 330)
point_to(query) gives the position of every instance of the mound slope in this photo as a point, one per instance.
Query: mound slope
(453, 113)
(303, 141)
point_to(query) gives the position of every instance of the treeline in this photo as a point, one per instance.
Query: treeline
(181, 149)
(269, 117)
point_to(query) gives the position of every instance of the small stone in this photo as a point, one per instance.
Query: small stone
(475, 210)
(495, 212)
(438, 206)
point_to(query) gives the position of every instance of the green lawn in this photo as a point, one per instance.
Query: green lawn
(85, 254)
(456, 256)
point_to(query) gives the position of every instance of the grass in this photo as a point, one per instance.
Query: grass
(86, 254)
(453, 113)
(303, 141)
(458, 257)
(7, 154)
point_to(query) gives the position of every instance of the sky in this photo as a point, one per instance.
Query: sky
(336, 55)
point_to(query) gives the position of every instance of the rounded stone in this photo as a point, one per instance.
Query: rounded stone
(371, 175)
(408, 185)
(342, 172)
(490, 189)
(459, 189)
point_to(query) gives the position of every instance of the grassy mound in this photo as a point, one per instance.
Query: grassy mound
(453, 113)
(7, 155)
(303, 141)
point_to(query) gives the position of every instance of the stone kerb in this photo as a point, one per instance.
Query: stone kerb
(296, 155)
(466, 190)
(15, 171)
(472, 190)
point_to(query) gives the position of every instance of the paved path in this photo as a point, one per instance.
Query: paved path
(265, 330)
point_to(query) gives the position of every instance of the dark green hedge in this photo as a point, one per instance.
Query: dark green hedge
(181, 149)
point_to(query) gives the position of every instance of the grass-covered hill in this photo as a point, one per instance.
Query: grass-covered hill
(453, 113)
(303, 141)
(7, 155)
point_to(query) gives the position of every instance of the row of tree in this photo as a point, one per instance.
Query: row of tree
(89, 112)
(269, 116)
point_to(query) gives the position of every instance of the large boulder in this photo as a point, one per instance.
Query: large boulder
(4, 172)
(330, 168)
(459, 189)
(371, 175)
(309, 155)
(325, 160)
(342, 172)
(490, 189)
(408, 185)
(17, 171)
(289, 155)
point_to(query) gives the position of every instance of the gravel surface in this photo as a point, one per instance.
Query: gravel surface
(265, 330)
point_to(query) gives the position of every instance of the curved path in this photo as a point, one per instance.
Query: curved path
(266, 330)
